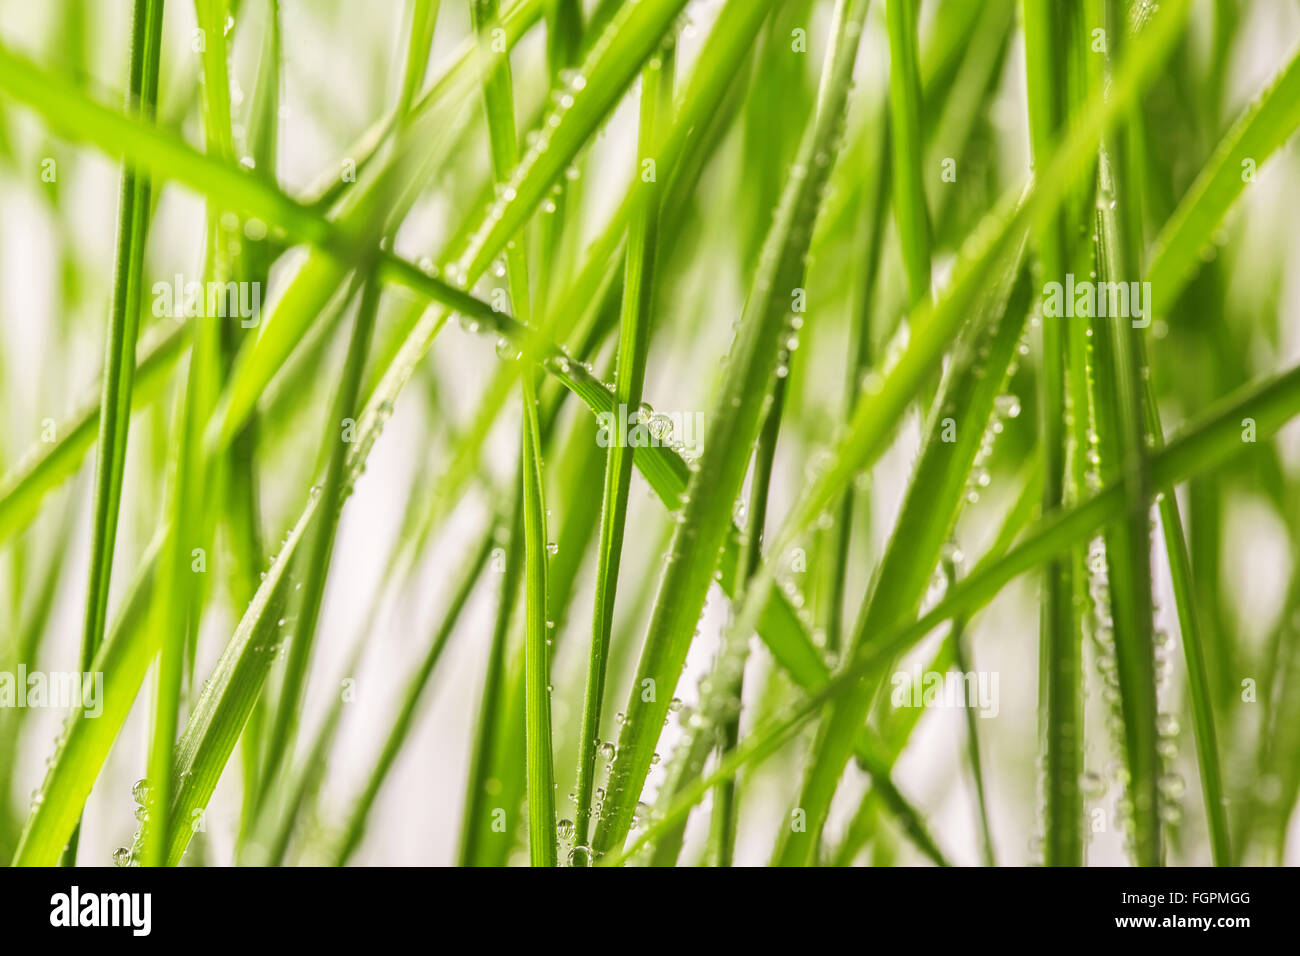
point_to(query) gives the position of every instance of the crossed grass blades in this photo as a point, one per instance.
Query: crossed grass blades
(826, 228)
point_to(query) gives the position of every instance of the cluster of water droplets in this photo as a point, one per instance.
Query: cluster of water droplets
(130, 855)
(1100, 624)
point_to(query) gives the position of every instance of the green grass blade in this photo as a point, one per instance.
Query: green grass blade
(123, 658)
(46, 467)
(1257, 134)
(120, 344)
(124, 325)
(629, 381)
(1047, 50)
(905, 115)
(542, 839)
(1118, 398)
(1189, 627)
(479, 816)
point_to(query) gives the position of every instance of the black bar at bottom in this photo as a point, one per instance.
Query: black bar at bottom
(332, 907)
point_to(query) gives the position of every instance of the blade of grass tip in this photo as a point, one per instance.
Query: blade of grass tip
(1046, 29)
(750, 374)
(907, 172)
(338, 434)
(478, 817)
(415, 690)
(120, 344)
(184, 563)
(424, 16)
(629, 381)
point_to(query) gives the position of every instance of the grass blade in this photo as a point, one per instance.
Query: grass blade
(629, 382)
(910, 211)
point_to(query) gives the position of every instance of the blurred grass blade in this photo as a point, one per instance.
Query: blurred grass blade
(397, 735)
(910, 211)
(48, 466)
(1257, 134)
(333, 491)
